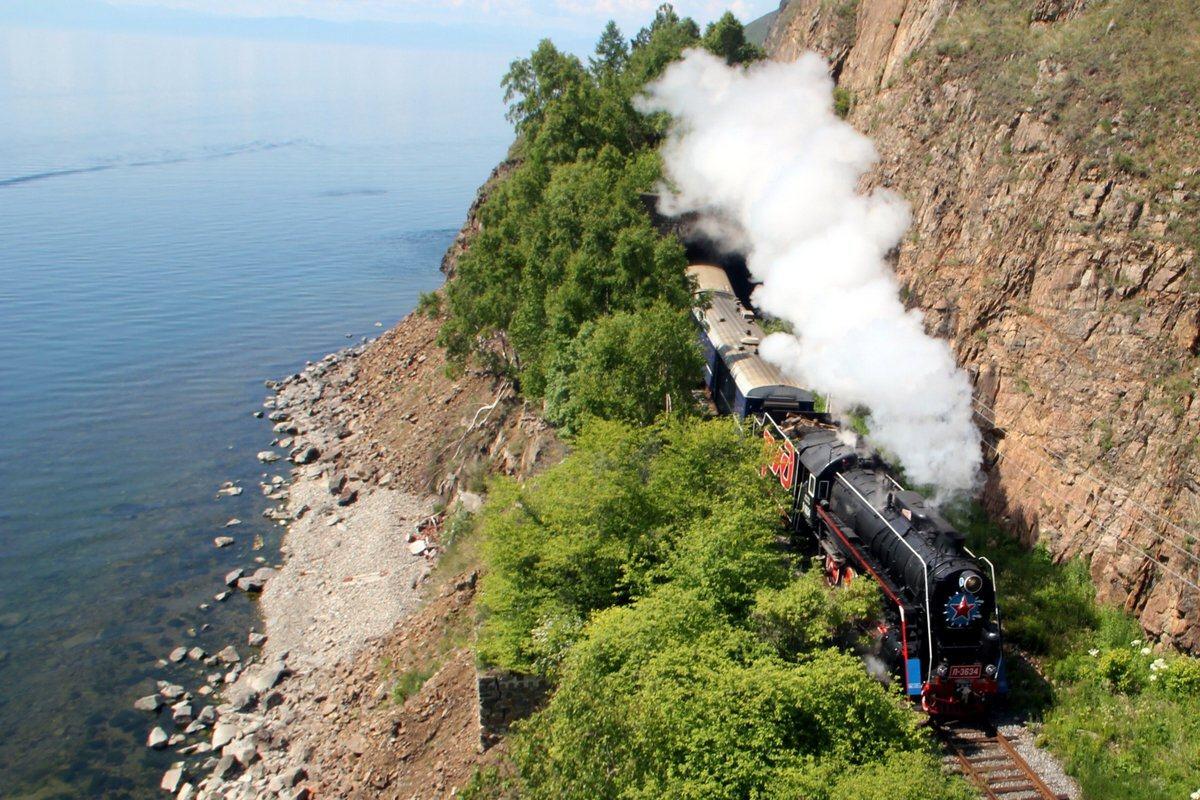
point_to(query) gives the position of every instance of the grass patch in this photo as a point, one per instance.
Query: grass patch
(430, 304)
(460, 549)
(410, 682)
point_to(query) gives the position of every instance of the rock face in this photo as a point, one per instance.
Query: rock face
(1057, 280)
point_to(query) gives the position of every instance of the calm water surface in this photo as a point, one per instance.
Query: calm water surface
(179, 219)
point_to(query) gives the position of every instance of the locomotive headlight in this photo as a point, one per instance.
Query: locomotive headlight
(972, 582)
(990, 670)
(943, 670)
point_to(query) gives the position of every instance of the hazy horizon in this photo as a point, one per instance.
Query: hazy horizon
(509, 26)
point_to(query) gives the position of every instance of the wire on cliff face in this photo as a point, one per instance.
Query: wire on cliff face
(1128, 495)
(1102, 528)
(1118, 510)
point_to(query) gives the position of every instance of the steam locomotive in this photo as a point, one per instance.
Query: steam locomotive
(941, 625)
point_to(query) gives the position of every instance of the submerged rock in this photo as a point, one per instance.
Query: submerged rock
(150, 702)
(172, 691)
(267, 456)
(181, 713)
(223, 541)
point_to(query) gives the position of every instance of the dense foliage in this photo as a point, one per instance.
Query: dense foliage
(1124, 715)
(643, 576)
(567, 242)
(623, 366)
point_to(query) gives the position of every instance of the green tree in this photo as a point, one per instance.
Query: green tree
(624, 366)
(668, 698)
(727, 38)
(612, 53)
(532, 84)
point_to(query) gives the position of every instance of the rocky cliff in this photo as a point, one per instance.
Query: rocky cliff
(1044, 146)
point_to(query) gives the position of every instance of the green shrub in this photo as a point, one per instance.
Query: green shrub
(607, 524)
(843, 101)
(805, 613)
(429, 304)
(410, 682)
(1122, 670)
(1180, 679)
(624, 367)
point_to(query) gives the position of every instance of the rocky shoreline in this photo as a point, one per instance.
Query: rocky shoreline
(346, 578)
(380, 442)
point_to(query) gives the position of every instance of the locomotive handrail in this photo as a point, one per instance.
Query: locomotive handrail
(995, 588)
(924, 563)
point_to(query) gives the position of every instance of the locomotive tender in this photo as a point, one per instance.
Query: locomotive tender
(941, 625)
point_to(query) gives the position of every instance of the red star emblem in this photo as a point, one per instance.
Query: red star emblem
(964, 608)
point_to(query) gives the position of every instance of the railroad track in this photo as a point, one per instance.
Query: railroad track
(989, 760)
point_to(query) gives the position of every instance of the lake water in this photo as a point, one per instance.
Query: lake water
(181, 218)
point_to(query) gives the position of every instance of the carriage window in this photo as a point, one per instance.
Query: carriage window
(812, 483)
(824, 489)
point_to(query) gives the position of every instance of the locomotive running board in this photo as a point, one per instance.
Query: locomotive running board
(913, 682)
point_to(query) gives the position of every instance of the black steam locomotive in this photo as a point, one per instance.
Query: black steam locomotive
(941, 626)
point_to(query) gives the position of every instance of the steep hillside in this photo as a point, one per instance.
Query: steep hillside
(1048, 149)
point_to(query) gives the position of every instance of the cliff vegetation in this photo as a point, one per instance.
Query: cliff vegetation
(690, 656)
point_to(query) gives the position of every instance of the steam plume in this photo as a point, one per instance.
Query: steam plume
(773, 172)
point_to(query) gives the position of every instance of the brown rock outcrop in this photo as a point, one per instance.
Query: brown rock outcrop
(1057, 281)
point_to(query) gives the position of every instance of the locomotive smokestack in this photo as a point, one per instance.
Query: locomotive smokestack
(767, 167)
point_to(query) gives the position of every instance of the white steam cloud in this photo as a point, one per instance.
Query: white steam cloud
(760, 154)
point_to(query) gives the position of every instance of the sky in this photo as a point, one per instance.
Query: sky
(574, 24)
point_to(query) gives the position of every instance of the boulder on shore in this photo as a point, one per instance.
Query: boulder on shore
(172, 778)
(256, 582)
(223, 734)
(305, 455)
(157, 739)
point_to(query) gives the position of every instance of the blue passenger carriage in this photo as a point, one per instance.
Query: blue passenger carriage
(739, 381)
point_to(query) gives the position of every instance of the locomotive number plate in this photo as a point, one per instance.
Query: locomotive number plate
(966, 671)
